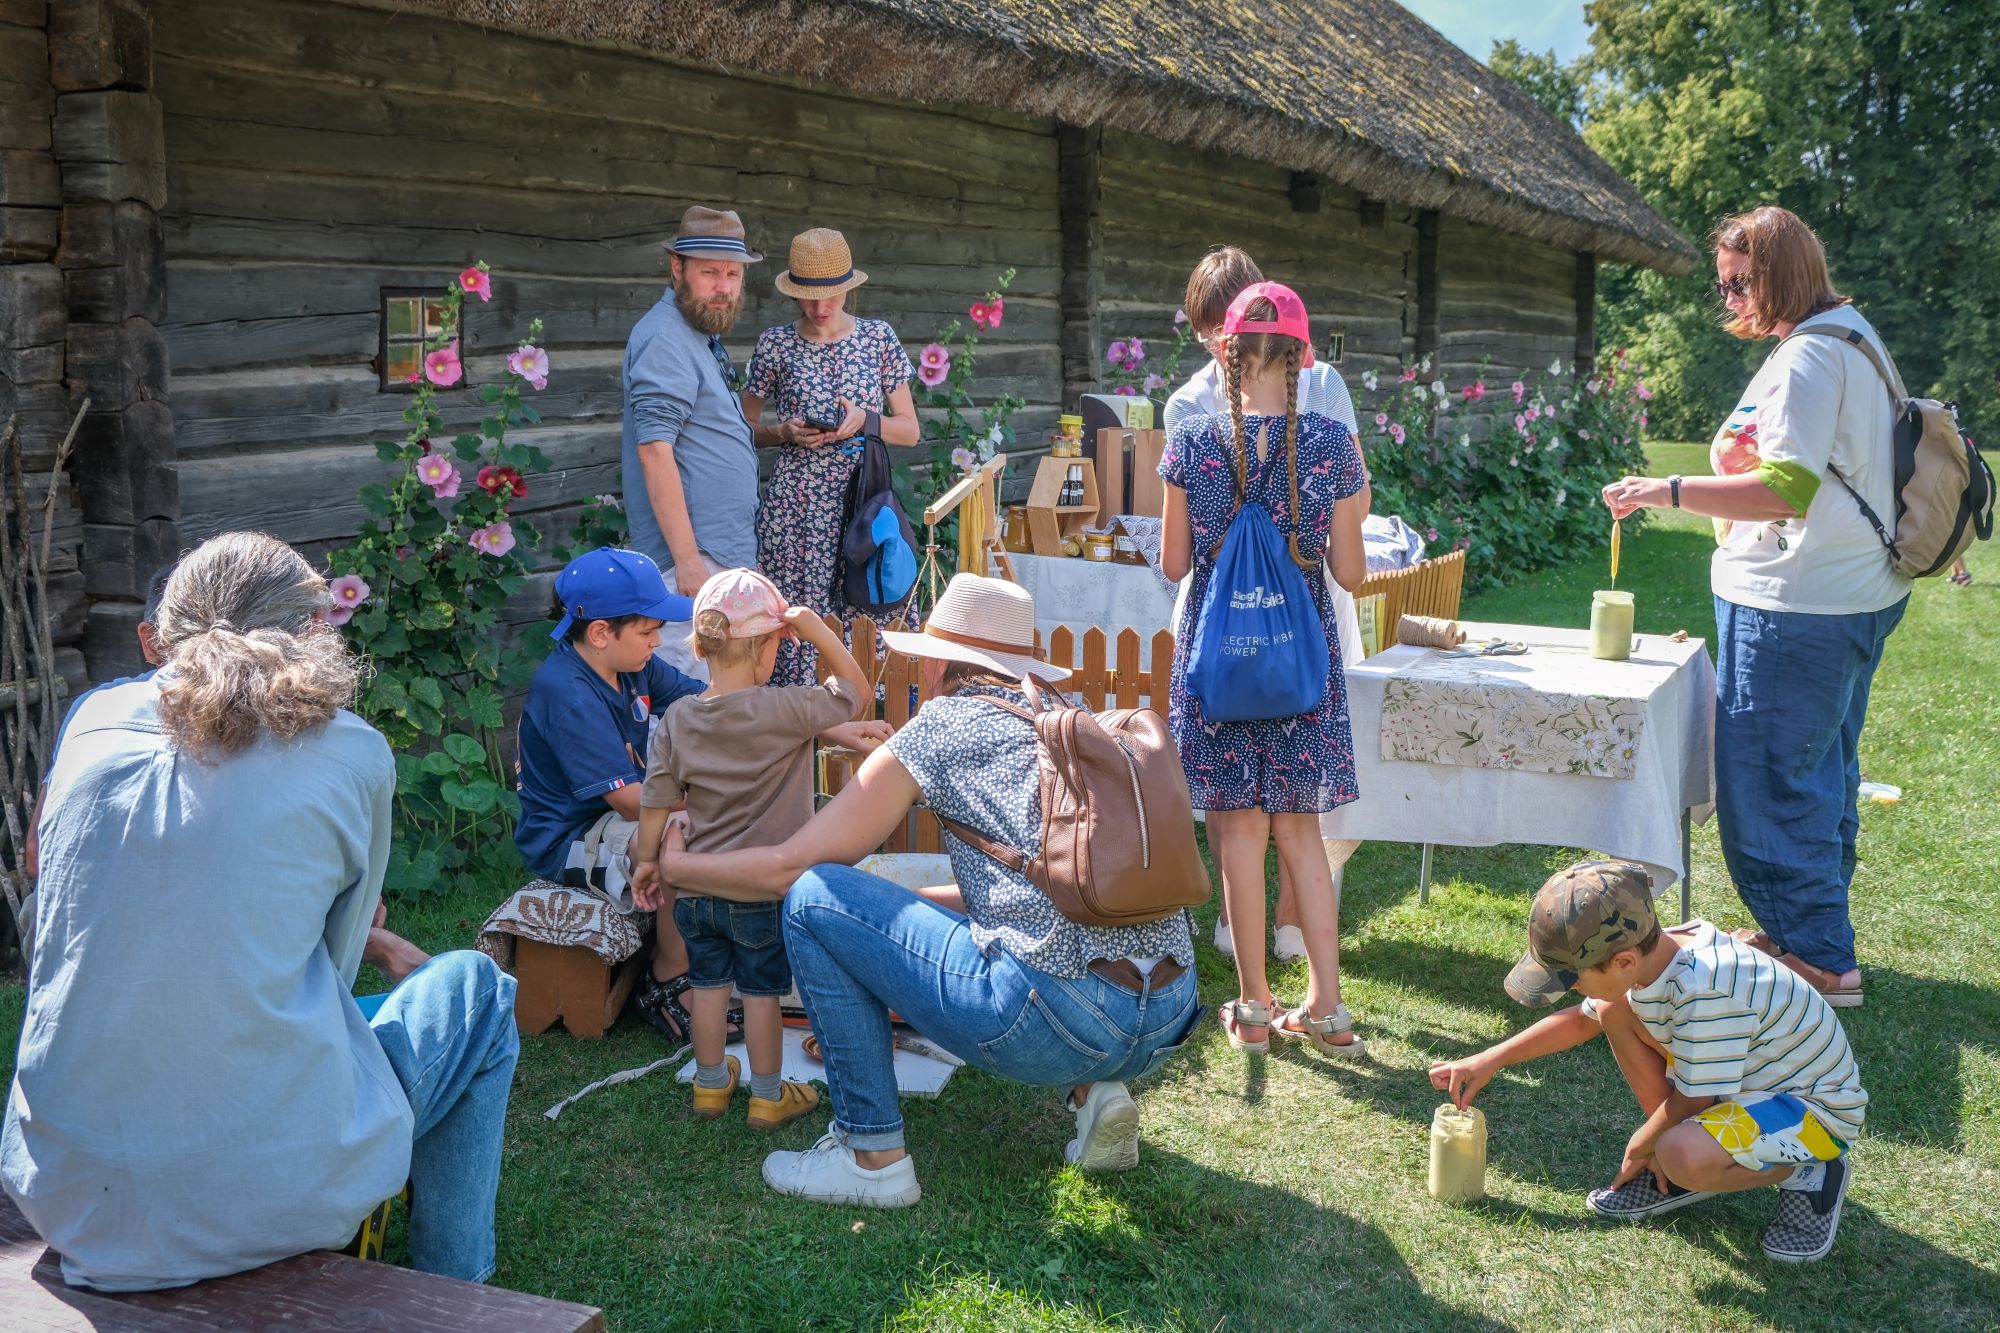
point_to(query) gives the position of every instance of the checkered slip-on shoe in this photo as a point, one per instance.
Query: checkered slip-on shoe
(1639, 1198)
(1803, 1229)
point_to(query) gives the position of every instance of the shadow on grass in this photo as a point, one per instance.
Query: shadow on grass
(1911, 1038)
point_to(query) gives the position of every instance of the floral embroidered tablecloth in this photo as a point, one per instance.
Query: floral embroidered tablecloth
(1502, 713)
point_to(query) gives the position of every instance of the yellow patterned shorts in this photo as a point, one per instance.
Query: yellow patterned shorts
(1762, 1130)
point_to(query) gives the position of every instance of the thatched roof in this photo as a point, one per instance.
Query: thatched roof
(1360, 91)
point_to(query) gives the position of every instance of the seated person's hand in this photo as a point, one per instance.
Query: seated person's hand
(381, 915)
(860, 737)
(1461, 1080)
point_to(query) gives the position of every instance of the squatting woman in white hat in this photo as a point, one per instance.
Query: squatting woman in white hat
(988, 969)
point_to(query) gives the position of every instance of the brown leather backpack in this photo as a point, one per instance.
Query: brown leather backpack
(1118, 843)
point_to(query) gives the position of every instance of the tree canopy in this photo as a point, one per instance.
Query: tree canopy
(1877, 121)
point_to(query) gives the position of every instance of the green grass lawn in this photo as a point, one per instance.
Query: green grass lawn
(1288, 1192)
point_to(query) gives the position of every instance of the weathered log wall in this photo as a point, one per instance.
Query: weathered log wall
(319, 154)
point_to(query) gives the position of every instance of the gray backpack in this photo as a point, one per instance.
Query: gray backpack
(1944, 490)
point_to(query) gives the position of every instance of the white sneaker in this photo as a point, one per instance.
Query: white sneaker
(1107, 1130)
(828, 1173)
(1288, 943)
(1223, 944)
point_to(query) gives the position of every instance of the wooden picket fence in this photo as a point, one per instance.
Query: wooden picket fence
(1106, 670)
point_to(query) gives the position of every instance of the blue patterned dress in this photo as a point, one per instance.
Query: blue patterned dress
(1289, 765)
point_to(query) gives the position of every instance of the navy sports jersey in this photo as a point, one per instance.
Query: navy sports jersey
(579, 739)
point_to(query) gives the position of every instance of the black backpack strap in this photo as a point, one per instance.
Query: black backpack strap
(1897, 399)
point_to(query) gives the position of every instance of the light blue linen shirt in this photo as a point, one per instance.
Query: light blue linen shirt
(196, 1092)
(674, 391)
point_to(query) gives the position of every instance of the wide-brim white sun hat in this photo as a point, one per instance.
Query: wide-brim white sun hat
(986, 622)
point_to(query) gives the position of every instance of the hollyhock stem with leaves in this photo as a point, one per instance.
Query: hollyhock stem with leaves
(420, 593)
(959, 433)
(1134, 370)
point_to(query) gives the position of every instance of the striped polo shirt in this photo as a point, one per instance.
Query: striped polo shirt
(1739, 1021)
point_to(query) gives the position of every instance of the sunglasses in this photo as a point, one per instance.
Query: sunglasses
(1736, 286)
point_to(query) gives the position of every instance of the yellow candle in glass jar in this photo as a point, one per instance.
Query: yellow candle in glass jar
(1458, 1154)
(1611, 625)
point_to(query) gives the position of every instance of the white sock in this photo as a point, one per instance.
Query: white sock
(1807, 1178)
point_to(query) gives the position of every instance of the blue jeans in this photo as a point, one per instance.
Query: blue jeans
(1791, 694)
(860, 947)
(448, 1031)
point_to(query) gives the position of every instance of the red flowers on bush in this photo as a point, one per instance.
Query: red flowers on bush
(492, 477)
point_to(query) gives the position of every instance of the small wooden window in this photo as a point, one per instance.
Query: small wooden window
(411, 317)
(1336, 346)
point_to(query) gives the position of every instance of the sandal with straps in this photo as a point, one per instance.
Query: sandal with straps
(1320, 1031)
(1245, 1014)
(659, 1003)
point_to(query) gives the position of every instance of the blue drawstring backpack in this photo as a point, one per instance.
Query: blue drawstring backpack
(878, 547)
(1259, 646)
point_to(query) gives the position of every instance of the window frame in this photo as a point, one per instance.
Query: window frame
(426, 298)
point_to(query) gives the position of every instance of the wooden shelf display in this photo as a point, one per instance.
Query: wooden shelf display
(1049, 522)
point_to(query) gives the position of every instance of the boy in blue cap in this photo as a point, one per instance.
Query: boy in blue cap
(582, 744)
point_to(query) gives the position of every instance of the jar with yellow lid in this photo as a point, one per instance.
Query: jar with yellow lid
(1098, 546)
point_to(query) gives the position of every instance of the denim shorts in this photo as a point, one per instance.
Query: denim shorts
(731, 943)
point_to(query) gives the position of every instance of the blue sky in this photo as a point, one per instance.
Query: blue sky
(1539, 25)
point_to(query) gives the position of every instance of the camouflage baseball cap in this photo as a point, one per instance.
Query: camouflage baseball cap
(1581, 917)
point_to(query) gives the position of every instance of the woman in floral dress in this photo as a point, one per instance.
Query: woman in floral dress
(831, 368)
(1267, 782)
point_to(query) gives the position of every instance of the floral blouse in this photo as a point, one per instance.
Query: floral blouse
(801, 379)
(977, 765)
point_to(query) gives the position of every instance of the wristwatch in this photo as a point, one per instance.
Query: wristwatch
(1674, 489)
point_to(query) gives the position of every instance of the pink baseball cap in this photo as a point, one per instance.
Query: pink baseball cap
(752, 602)
(1291, 320)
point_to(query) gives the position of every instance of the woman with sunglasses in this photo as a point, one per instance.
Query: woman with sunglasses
(1805, 597)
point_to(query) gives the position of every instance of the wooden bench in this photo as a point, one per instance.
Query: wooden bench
(312, 1291)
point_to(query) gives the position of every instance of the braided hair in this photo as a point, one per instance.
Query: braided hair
(1259, 349)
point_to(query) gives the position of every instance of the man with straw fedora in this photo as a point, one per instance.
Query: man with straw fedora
(690, 464)
(830, 379)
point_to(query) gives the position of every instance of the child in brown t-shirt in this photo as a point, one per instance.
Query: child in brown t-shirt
(740, 754)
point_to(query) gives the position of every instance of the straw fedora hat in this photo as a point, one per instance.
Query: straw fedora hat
(987, 622)
(821, 266)
(712, 233)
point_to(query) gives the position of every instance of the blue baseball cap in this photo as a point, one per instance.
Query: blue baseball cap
(611, 581)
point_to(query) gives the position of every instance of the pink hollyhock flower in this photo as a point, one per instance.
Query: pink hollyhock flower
(1478, 390)
(994, 309)
(1534, 412)
(1136, 349)
(442, 368)
(1396, 433)
(531, 363)
(436, 472)
(1514, 461)
(933, 364)
(1645, 394)
(1180, 317)
(1642, 421)
(339, 615)
(493, 539)
(964, 459)
(1382, 419)
(979, 314)
(1431, 534)
(1520, 422)
(1583, 435)
(1117, 352)
(1520, 391)
(1407, 375)
(1153, 384)
(474, 282)
(349, 591)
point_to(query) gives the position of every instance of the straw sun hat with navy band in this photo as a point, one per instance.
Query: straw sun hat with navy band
(821, 266)
(712, 233)
(987, 622)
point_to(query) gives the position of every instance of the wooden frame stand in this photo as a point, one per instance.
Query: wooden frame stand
(571, 983)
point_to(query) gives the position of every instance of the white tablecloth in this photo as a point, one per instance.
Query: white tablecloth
(1637, 818)
(1082, 593)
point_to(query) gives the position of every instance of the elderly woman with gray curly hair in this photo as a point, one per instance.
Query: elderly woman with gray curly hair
(197, 1091)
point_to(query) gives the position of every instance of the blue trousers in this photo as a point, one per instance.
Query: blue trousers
(861, 946)
(448, 1031)
(1791, 694)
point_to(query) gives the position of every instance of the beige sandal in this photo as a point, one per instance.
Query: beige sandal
(1756, 939)
(1246, 1014)
(1826, 983)
(1320, 1031)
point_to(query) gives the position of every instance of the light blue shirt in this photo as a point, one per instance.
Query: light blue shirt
(675, 391)
(196, 1092)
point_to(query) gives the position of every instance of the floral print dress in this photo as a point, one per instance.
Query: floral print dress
(1289, 765)
(805, 501)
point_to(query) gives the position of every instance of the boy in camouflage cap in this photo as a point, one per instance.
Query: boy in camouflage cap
(1741, 1068)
